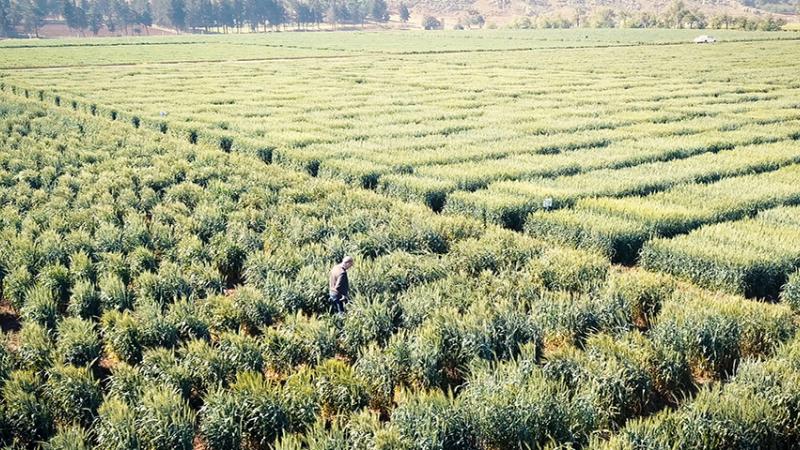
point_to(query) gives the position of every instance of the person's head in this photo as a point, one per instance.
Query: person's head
(347, 262)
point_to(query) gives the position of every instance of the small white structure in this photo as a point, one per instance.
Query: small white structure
(704, 39)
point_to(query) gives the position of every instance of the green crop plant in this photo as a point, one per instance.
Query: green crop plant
(383, 369)
(189, 319)
(164, 420)
(254, 307)
(81, 266)
(121, 335)
(55, 277)
(162, 367)
(222, 420)
(241, 352)
(206, 365)
(78, 342)
(642, 292)
(27, 412)
(431, 419)
(339, 390)
(84, 301)
(202, 242)
(791, 291)
(261, 408)
(74, 394)
(116, 427)
(41, 306)
(114, 294)
(154, 329)
(368, 322)
(16, 284)
(34, 347)
(71, 437)
(125, 383)
(710, 331)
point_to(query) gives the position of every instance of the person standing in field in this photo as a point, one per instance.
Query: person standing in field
(339, 286)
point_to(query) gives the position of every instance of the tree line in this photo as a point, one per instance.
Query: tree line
(678, 15)
(137, 16)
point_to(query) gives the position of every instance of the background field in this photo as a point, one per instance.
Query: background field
(589, 236)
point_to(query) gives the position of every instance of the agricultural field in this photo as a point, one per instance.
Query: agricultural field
(563, 239)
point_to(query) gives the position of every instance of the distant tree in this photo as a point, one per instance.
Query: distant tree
(431, 23)
(604, 18)
(177, 13)
(275, 13)
(676, 14)
(379, 11)
(238, 7)
(302, 14)
(68, 12)
(94, 19)
(6, 19)
(32, 14)
(474, 19)
(146, 17)
(225, 14)
(405, 14)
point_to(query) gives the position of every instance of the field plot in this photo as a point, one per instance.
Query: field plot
(169, 212)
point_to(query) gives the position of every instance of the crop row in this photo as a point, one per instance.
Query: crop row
(620, 226)
(508, 203)
(754, 256)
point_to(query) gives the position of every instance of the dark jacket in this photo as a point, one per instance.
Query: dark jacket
(338, 281)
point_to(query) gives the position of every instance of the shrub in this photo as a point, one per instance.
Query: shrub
(26, 410)
(74, 394)
(77, 342)
(41, 306)
(164, 420)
